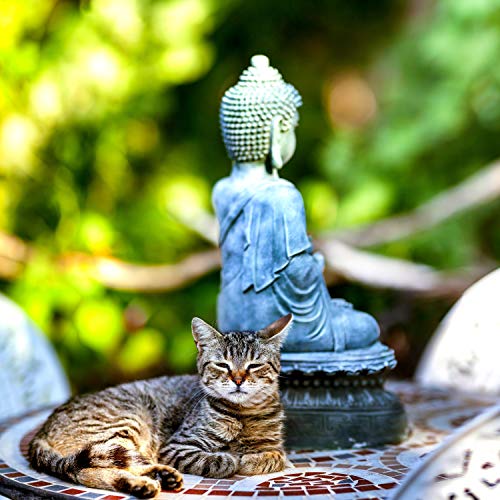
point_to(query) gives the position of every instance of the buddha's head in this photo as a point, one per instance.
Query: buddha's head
(259, 114)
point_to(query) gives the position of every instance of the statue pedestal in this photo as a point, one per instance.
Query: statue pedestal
(337, 400)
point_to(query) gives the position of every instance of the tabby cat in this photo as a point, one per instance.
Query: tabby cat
(136, 437)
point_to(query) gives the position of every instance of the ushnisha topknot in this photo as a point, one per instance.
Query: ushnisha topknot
(248, 108)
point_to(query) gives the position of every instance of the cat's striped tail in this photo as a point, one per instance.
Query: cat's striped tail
(44, 458)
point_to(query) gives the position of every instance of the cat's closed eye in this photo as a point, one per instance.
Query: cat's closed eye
(254, 366)
(224, 366)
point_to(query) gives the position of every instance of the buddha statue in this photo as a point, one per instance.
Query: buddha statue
(269, 268)
(332, 361)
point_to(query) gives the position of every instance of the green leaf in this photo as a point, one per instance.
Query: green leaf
(321, 204)
(182, 351)
(141, 350)
(100, 325)
(370, 201)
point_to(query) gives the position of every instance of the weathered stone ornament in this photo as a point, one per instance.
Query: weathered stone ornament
(333, 362)
(462, 353)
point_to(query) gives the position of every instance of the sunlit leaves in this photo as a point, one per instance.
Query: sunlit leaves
(45, 99)
(141, 350)
(142, 136)
(87, 164)
(45, 293)
(183, 64)
(179, 22)
(102, 67)
(183, 351)
(122, 17)
(321, 204)
(438, 90)
(185, 194)
(486, 103)
(19, 138)
(369, 201)
(5, 200)
(99, 324)
(95, 234)
(16, 17)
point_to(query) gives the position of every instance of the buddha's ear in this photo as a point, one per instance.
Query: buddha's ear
(276, 159)
(277, 330)
(203, 333)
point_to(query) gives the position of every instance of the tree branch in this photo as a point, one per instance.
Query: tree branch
(202, 223)
(120, 275)
(378, 271)
(9, 269)
(480, 188)
(344, 262)
(111, 272)
(13, 248)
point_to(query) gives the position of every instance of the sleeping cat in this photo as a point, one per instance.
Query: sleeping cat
(135, 438)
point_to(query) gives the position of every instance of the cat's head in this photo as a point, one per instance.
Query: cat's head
(241, 367)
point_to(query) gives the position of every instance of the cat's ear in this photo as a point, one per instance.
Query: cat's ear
(278, 329)
(203, 333)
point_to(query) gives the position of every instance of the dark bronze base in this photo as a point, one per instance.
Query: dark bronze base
(341, 411)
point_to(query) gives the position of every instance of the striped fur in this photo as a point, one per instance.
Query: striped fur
(137, 438)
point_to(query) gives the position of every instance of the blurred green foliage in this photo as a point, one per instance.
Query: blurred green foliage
(438, 93)
(108, 128)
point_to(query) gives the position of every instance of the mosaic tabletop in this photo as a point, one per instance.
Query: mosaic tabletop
(362, 473)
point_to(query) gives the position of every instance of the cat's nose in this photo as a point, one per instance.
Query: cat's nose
(237, 377)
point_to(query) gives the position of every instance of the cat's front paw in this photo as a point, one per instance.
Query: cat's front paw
(140, 487)
(262, 463)
(170, 478)
(215, 465)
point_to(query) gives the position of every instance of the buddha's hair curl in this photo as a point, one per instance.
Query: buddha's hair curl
(248, 108)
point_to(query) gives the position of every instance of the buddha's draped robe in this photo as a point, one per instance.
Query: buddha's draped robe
(268, 268)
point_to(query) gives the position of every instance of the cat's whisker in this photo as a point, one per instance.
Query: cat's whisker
(195, 395)
(200, 399)
(195, 400)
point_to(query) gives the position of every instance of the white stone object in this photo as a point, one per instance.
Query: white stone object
(31, 376)
(464, 352)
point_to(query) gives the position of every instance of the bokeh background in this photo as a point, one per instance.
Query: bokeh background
(110, 145)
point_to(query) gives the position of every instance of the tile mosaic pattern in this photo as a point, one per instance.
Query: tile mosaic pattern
(368, 473)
